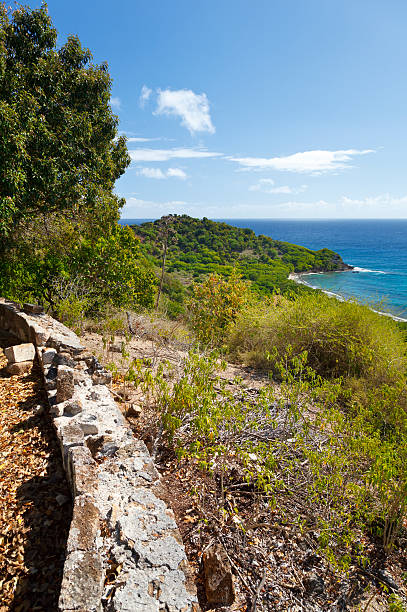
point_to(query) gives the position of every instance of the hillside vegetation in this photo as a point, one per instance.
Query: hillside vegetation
(197, 247)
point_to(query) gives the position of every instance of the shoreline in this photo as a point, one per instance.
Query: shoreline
(296, 277)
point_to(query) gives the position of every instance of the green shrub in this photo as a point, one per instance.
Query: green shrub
(348, 467)
(215, 304)
(341, 338)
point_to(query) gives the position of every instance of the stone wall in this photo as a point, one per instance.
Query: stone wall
(124, 550)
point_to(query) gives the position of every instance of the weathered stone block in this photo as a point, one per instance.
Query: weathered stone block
(72, 407)
(51, 384)
(82, 584)
(33, 309)
(39, 335)
(20, 353)
(16, 369)
(65, 359)
(47, 356)
(56, 410)
(89, 425)
(82, 471)
(65, 383)
(85, 525)
(69, 434)
(102, 377)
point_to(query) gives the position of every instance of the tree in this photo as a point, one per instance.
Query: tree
(166, 232)
(60, 156)
(59, 149)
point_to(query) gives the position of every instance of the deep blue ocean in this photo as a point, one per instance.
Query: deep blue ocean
(377, 249)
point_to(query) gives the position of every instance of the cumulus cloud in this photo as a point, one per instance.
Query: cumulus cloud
(309, 162)
(145, 95)
(160, 155)
(115, 103)
(177, 173)
(157, 173)
(268, 186)
(192, 108)
(153, 173)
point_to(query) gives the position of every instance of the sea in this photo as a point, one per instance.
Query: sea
(376, 248)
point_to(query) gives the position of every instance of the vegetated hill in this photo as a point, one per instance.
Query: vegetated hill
(197, 247)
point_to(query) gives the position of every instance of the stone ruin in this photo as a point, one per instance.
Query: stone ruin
(119, 519)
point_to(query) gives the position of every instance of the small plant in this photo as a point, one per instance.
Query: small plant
(396, 604)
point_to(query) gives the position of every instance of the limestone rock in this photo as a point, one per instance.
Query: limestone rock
(47, 356)
(20, 353)
(82, 584)
(219, 587)
(82, 470)
(85, 525)
(89, 425)
(15, 369)
(65, 359)
(33, 309)
(72, 407)
(102, 377)
(65, 383)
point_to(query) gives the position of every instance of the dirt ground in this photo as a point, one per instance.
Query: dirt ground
(35, 510)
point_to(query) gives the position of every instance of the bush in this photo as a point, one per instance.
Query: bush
(341, 339)
(215, 304)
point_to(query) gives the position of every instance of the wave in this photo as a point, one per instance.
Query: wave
(356, 269)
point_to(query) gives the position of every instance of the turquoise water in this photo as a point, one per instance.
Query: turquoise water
(377, 249)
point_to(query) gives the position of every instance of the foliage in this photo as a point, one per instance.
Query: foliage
(341, 338)
(214, 306)
(58, 145)
(203, 247)
(60, 155)
(346, 469)
(86, 274)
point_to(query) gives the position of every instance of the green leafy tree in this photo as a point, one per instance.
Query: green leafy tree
(60, 155)
(59, 149)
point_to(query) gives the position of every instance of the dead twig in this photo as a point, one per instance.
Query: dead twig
(258, 590)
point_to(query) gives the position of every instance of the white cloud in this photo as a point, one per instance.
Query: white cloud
(145, 95)
(267, 186)
(115, 103)
(159, 155)
(177, 172)
(384, 201)
(310, 162)
(191, 107)
(141, 139)
(153, 173)
(157, 173)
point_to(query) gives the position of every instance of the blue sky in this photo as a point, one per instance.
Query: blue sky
(255, 109)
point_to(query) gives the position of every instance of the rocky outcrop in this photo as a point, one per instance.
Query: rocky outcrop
(124, 550)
